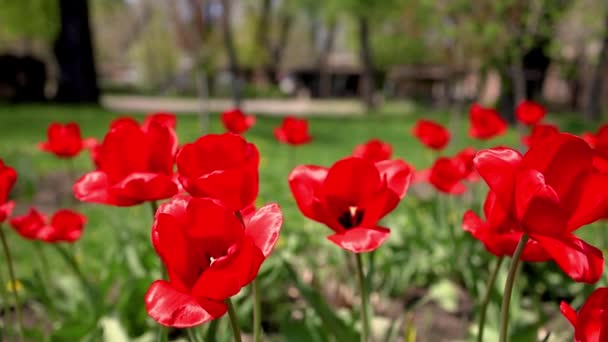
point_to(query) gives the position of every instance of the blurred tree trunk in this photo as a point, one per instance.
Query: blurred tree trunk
(593, 108)
(366, 87)
(74, 53)
(231, 53)
(263, 38)
(278, 50)
(323, 60)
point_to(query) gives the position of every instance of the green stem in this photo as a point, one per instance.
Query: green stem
(162, 334)
(13, 279)
(46, 279)
(212, 330)
(5, 304)
(234, 321)
(506, 299)
(365, 319)
(71, 261)
(257, 311)
(192, 335)
(486, 299)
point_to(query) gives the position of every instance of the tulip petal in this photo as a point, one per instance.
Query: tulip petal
(94, 187)
(176, 309)
(562, 159)
(6, 210)
(497, 166)
(360, 240)
(305, 182)
(214, 225)
(264, 227)
(140, 187)
(588, 200)
(397, 174)
(578, 259)
(227, 275)
(351, 180)
(568, 312)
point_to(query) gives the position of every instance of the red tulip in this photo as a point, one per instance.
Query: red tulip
(135, 164)
(293, 131)
(539, 133)
(209, 256)
(530, 112)
(549, 193)
(486, 123)
(235, 121)
(431, 134)
(375, 150)
(591, 322)
(351, 197)
(65, 225)
(222, 166)
(445, 175)
(65, 141)
(500, 234)
(8, 177)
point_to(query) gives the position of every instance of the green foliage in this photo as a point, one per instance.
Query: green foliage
(29, 19)
(427, 249)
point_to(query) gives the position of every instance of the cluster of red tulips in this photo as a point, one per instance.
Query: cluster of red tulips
(212, 240)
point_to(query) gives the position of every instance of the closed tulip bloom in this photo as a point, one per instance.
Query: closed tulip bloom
(222, 166)
(209, 256)
(64, 226)
(486, 123)
(8, 177)
(351, 197)
(591, 322)
(550, 193)
(539, 132)
(293, 131)
(431, 134)
(235, 121)
(134, 164)
(374, 150)
(529, 112)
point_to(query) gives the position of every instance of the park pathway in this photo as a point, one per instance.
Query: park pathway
(273, 107)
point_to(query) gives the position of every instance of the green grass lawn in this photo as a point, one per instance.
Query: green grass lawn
(115, 247)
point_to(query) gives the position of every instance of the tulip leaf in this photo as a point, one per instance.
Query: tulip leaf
(331, 322)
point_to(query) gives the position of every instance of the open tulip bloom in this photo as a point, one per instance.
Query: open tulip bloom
(375, 150)
(65, 225)
(591, 322)
(209, 255)
(65, 141)
(351, 197)
(135, 164)
(546, 194)
(8, 177)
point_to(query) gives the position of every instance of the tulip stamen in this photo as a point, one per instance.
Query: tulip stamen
(351, 218)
